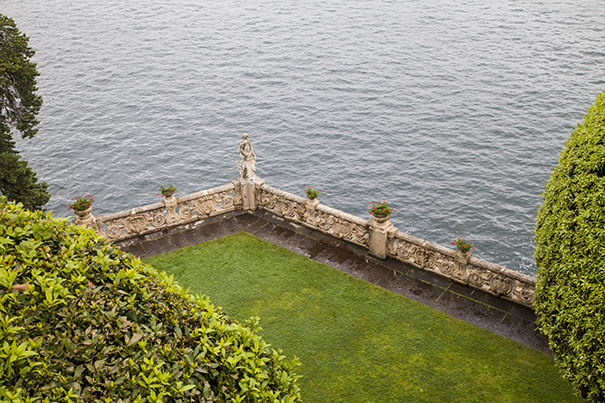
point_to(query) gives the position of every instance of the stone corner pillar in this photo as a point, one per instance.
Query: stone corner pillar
(380, 229)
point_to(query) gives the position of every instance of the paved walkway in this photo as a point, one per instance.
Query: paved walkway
(474, 306)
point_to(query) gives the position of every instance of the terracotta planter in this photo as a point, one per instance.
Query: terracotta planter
(168, 193)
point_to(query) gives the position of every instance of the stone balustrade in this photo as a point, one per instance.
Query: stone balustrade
(169, 212)
(378, 236)
(312, 214)
(381, 239)
(463, 268)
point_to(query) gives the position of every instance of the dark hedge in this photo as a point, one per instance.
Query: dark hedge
(82, 321)
(570, 254)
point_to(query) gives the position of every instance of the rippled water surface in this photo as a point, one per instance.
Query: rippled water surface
(455, 112)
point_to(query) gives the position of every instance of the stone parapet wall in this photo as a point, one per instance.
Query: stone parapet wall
(477, 273)
(378, 236)
(497, 280)
(314, 215)
(381, 239)
(170, 212)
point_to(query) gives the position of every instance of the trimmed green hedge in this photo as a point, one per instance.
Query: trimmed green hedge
(80, 320)
(570, 254)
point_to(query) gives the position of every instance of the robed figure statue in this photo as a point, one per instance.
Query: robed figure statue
(247, 166)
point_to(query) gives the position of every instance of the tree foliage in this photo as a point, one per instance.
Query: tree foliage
(570, 254)
(19, 106)
(82, 321)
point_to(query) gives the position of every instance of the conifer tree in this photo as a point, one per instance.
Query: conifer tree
(19, 105)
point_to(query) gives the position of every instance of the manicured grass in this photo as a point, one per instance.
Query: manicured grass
(358, 342)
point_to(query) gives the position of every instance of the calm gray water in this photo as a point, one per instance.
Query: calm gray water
(453, 111)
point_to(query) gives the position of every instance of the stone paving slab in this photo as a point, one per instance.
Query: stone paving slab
(498, 316)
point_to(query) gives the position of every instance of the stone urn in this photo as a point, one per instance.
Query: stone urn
(84, 216)
(462, 257)
(168, 193)
(380, 219)
(464, 254)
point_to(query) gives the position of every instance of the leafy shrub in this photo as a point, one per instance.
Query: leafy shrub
(570, 254)
(80, 320)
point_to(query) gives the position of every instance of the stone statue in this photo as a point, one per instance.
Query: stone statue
(247, 167)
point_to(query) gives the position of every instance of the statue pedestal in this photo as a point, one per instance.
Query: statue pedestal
(245, 190)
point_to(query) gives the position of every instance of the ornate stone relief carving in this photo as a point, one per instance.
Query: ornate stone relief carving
(477, 277)
(268, 200)
(403, 250)
(136, 224)
(525, 295)
(174, 212)
(305, 212)
(423, 257)
(445, 266)
(457, 268)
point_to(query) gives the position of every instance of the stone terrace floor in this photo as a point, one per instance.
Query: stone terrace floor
(505, 318)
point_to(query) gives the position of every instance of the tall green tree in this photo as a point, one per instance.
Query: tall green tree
(19, 105)
(570, 254)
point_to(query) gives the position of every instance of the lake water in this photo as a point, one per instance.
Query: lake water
(453, 111)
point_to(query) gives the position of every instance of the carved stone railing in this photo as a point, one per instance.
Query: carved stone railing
(170, 212)
(314, 215)
(463, 268)
(378, 236)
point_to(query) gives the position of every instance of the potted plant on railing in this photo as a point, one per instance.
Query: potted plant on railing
(462, 245)
(82, 206)
(310, 215)
(381, 212)
(167, 191)
(312, 194)
(463, 255)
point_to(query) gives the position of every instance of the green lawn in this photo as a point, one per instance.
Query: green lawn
(358, 342)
